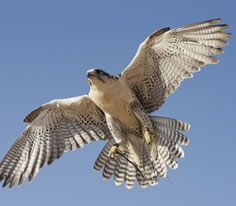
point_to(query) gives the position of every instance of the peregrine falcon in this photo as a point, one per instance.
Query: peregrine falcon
(118, 108)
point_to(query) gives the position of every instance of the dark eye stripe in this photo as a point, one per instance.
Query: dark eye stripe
(104, 73)
(101, 72)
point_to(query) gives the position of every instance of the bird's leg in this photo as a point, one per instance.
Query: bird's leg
(113, 150)
(147, 135)
(115, 128)
(147, 127)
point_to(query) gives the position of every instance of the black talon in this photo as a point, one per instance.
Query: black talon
(116, 145)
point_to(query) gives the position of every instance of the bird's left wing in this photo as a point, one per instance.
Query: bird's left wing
(167, 57)
(55, 127)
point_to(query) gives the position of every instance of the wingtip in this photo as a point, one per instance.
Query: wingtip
(22, 178)
(225, 26)
(6, 182)
(11, 185)
(228, 35)
(217, 50)
(216, 20)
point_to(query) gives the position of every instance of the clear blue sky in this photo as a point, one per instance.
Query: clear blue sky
(47, 46)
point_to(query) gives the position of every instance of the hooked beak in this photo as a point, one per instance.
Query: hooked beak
(90, 74)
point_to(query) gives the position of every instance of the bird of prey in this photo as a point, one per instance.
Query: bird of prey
(118, 108)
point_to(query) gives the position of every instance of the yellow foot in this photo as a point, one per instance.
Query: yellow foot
(113, 150)
(147, 136)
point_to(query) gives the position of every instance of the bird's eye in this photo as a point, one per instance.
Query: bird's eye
(97, 71)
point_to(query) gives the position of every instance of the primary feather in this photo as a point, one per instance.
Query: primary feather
(167, 57)
(56, 127)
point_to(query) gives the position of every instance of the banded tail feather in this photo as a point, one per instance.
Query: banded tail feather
(168, 141)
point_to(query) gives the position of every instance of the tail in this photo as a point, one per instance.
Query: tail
(150, 169)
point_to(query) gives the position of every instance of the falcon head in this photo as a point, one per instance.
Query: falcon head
(98, 77)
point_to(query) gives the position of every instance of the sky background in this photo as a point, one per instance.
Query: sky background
(46, 47)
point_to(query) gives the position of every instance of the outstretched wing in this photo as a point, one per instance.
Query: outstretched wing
(55, 127)
(167, 57)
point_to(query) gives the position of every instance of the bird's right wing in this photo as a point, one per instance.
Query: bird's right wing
(167, 57)
(55, 127)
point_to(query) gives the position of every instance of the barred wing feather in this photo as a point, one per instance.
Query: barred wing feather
(55, 127)
(167, 57)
